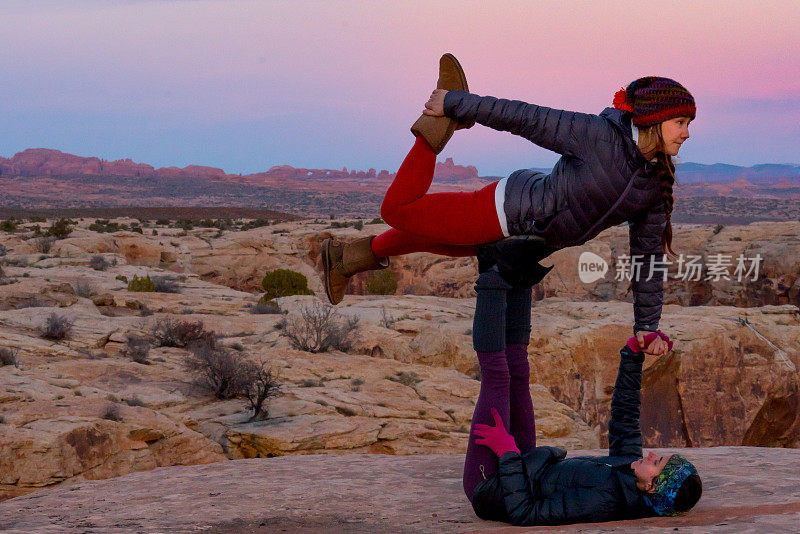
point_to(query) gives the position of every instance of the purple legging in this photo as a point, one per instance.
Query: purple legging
(501, 332)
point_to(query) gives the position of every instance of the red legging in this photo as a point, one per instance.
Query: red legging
(451, 224)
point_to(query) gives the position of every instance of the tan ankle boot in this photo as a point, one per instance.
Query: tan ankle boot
(340, 261)
(438, 130)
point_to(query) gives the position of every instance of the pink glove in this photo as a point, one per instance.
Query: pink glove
(495, 437)
(633, 343)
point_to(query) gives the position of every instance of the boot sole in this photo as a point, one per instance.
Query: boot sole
(451, 124)
(451, 128)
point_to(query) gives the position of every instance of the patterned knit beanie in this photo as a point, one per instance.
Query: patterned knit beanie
(675, 472)
(654, 99)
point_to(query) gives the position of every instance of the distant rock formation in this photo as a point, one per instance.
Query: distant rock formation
(49, 162)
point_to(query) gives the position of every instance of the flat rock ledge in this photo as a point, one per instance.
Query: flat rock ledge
(746, 489)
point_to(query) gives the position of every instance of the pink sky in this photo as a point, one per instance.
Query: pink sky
(245, 85)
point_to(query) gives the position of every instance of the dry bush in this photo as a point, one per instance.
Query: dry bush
(8, 357)
(174, 333)
(56, 327)
(219, 369)
(264, 308)
(43, 245)
(320, 328)
(82, 289)
(99, 263)
(387, 320)
(259, 384)
(137, 348)
(111, 413)
(407, 378)
(31, 302)
(165, 284)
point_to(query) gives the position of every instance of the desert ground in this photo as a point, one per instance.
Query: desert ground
(389, 407)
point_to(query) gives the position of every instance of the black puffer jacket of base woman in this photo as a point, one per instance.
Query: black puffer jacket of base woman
(543, 487)
(601, 180)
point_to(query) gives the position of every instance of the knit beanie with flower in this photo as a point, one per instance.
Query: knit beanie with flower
(655, 99)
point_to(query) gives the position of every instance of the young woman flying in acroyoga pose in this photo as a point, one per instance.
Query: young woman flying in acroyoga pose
(615, 167)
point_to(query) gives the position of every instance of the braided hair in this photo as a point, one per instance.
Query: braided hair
(651, 143)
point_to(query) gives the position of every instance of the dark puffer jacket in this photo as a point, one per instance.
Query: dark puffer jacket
(542, 487)
(601, 180)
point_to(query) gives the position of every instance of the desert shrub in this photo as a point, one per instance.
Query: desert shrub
(141, 284)
(220, 370)
(256, 223)
(56, 327)
(31, 302)
(407, 378)
(122, 278)
(8, 357)
(155, 232)
(358, 225)
(376, 220)
(185, 224)
(311, 383)
(173, 333)
(35, 219)
(111, 413)
(43, 244)
(138, 230)
(264, 308)
(718, 228)
(259, 384)
(3, 250)
(162, 222)
(137, 348)
(135, 401)
(387, 320)
(737, 238)
(284, 282)
(82, 289)
(103, 226)
(60, 229)
(320, 328)
(382, 282)
(99, 263)
(8, 226)
(165, 284)
(17, 262)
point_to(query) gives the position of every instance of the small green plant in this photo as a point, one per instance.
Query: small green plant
(376, 220)
(122, 278)
(35, 219)
(8, 226)
(358, 225)
(718, 228)
(141, 284)
(382, 282)
(282, 283)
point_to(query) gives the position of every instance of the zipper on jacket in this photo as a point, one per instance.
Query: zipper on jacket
(482, 472)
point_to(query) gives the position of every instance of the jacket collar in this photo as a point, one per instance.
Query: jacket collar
(622, 121)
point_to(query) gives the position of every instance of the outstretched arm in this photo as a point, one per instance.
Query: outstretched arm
(624, 430)
(565, 132)
(645, 244)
